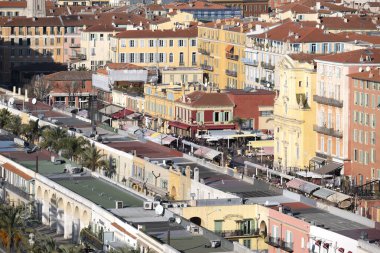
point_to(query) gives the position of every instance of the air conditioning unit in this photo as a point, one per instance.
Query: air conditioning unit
(194, 230)
(184, 205)
(119, 204)
(148, 205)
(155, 204)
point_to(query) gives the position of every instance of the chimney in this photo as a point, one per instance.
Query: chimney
(196, 174)
(318, 5)
(19, 91)
(345, 20)
(258, 27)
(14, 90)
(26, 99)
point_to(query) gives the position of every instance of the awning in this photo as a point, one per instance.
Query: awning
(338, 197)
(229, 48)
(134, 115)
(122, 114)
(323, 193)
(207, 153)
(16, 171)
(309, 187)
(295, 183)
(266, 151)
(261, 144)
(130, 129)
(110, 109)
(318, 160)
(179, 125)
(328, 168)
(168, 139)
(310, 174)
(105, 118)
(191, 144)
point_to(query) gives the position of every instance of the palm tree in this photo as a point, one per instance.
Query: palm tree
(239, 122)
(72, 249)
(45, 245)
(126, 249)
(13, 124)
(52, 138)
(32, 131)
(73, 147)
(93, 159)
(4, 117)
(12, 225)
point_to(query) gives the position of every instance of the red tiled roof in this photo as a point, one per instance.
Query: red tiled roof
(12, 4)
(103, 28)
(69, 76)
(302, 57)
(349, 22)
(295, 32)
(361, 56)
(296, 7)
(374, 4)
(207, 99)
(361, 37)
(187, 33)
(120, 228)
(121, 66)
(16, 171)
(372, 75)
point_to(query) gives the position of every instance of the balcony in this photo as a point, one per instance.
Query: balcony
(273, 241)
(113, 49)
(74, 45)
(203, 51)
(287, 246)
(231, 73)
(266, 65)
(250, 62)
(18, 191)
(207, 67)
(264, 81)
(233, 57)
(238, 233)
(328, 101)
(328, 131)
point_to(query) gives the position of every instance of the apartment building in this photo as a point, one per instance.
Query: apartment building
(182, 75)
(266, 49)
(12, 9)
(221, 49)
(156, 48)
(250, 8)
(334, 114)
(294, 112)
(205, 11)
(364, 104)
(83, 2)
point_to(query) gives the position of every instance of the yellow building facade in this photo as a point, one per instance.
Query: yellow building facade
(246, 224)
(156, 48)
(295, 113)
(160, 104)
(221, 49)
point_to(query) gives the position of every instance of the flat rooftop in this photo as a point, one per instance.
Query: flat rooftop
(331, 222)
(100, 192)
(224, 182)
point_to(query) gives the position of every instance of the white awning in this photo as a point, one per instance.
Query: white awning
(110, 109)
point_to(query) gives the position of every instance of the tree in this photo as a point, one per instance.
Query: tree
(12, 226)
(72, 88)
(13, 124)
(73, 147)
(39, 87)
(45, 245)
(93, 159)
(32, 131)
(239, 122)
(4, 117)
(126, 249)
(52, 138)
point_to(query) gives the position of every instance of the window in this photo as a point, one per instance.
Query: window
(275, 232)
(247, 243)
(355, 155)
(194, 58)
(164, 184)
(266, 113)
(373, 155)
(193, 43)
(180, 43)
(141, 57)
(123, 43)
(122, 58)
(161, 43)
(132, 57)
(151, 57)
(313, 48)
(181, 59)
(216, 116)
(226, 116)
(329, 145)
(132, 43)
(337, 148)
(161, 57)
(171, 43)
(218, 225)
(322, 145)
(171, 58)
(151, 43)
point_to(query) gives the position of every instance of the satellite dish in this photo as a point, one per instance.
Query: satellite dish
(34, 101)
(367, 68)
(178, 220)
(11, 101)
(159, 210)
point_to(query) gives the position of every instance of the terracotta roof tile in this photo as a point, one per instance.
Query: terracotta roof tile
(69, 76)
(349, 22)
(194, 5)
(206, 99)
(121, 66)
(104, 28)
(361, 56)
(361, 37)
(372, 75)
(302, 57)
(13, 169)
(187, 33)
(12, 4)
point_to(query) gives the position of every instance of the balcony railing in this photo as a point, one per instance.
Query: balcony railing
(238, 233)
(328, 131)
(250, 62)
(328, 101)
(266, 65)
(231, 73)
(18, 191)
(287, 246)
(203, 51)
(74, 45)
(264, 81)
(207, 67)
(90, 238)
(273, 241)
(232, 56)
